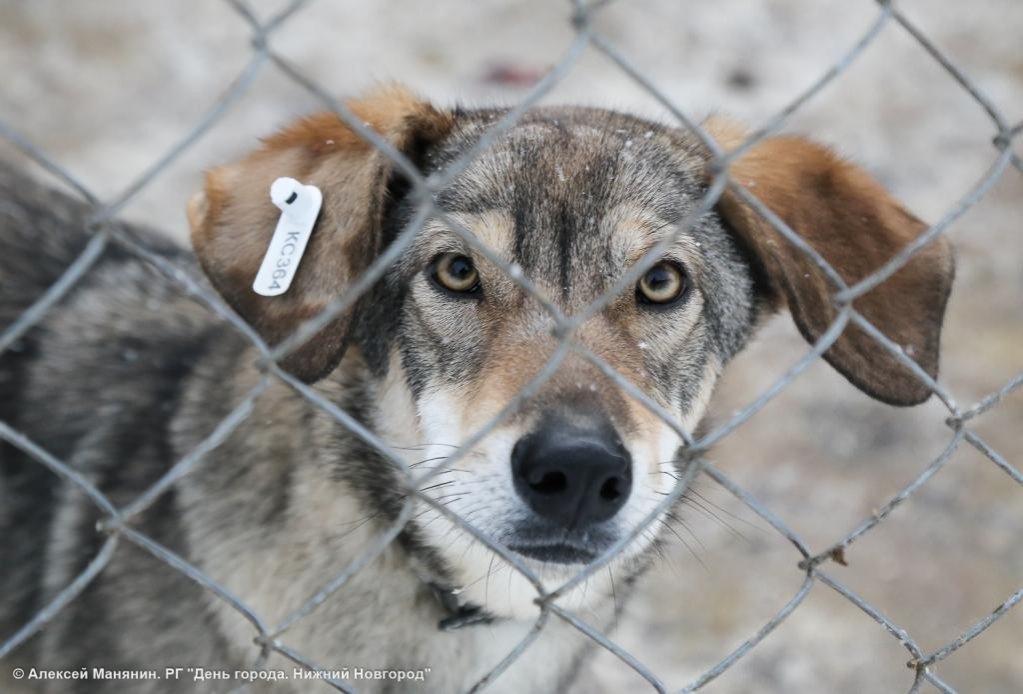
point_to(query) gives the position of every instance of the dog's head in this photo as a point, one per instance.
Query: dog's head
(571, 198)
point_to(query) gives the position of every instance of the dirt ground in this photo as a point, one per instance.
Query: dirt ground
(106, 88)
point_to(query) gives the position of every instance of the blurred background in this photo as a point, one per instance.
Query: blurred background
(106, 88)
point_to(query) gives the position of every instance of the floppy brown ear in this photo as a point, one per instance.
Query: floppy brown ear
(856, 226)
(233, 220)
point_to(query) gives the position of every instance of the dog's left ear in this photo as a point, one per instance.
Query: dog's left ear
(856, 226)
(233, 219)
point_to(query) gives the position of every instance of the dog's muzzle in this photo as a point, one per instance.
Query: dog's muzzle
(574, 477)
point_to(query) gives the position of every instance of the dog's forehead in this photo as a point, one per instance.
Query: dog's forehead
(569, 183)
(589, 158)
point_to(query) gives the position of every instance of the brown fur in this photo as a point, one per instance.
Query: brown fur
(232, 222)
(856, 226)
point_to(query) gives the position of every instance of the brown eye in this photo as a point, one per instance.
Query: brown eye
(456, 273)
(664, 283)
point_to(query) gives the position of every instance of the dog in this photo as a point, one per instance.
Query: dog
(129, 373)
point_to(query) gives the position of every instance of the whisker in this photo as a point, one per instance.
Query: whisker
(469, 545)
(689, 501)
(421, 446)
(435, 486)
(457, 495)
(693, 503)
(614, 597)
(486, 587)
(693, 490)
(446, 470)
(657, 548)
(427, 460)
(686, 544)
(490, 573)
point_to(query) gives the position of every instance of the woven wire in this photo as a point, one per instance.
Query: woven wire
(268, 638)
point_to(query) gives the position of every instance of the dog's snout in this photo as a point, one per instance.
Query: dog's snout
(572, 477)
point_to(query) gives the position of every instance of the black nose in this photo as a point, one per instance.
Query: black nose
(572, 476)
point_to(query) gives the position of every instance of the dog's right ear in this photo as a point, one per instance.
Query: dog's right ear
(233, 220)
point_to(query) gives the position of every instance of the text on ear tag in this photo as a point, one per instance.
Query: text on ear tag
(300, 206)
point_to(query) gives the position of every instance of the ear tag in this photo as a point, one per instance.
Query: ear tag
(300, 206)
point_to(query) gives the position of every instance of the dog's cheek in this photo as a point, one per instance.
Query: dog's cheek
(378, 323)
(656, 446)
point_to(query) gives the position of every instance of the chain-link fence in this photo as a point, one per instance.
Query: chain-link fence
(813, 562)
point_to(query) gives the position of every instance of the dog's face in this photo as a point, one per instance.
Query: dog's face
(571, 199)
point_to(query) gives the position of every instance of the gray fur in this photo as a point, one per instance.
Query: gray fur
(128, 374)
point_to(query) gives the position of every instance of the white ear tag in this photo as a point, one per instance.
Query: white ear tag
(300, 206)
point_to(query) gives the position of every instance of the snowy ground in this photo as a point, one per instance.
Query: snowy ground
(107, 87)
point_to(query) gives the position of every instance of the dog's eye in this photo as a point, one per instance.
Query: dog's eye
(664, 283)
(456, 273)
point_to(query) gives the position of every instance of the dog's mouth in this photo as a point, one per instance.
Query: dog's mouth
(560, 546)
(555, 552)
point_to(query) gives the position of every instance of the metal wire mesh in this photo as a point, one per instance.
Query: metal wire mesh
(813, 562)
